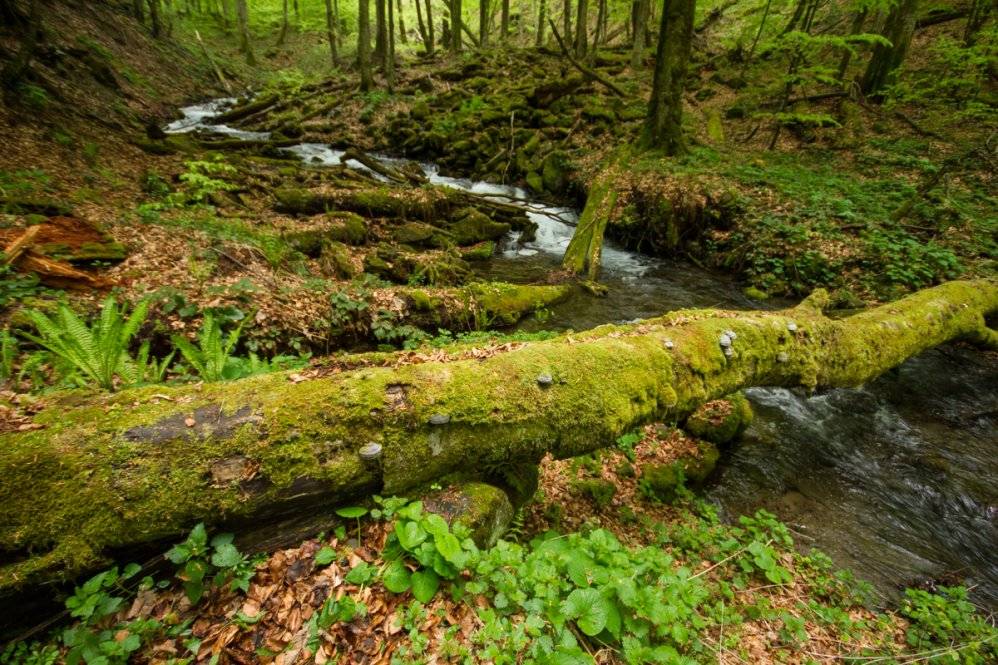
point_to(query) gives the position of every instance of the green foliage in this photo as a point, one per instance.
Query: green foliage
(98, 352)
(202, 562)
(212, 358)
(899, 259)
(200, 182)
(947, 626)
(15, 286)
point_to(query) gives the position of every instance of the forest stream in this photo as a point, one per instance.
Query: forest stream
(891, 480)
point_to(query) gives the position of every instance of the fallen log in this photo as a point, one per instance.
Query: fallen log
(585, 249)
(112, 471)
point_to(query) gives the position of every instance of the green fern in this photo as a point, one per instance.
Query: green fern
(212, 358)
(8, 353)
(97, 353)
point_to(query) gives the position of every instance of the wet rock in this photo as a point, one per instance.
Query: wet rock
(438, 419)
(545, 380)
(485, 509)
(335, 261)
(471, 227)
(665, 479)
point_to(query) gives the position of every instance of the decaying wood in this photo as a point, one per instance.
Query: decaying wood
(118, 470)
(13, 252)
(390, 172)
(58, 273)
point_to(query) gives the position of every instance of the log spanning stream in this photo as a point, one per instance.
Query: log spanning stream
(897, 481)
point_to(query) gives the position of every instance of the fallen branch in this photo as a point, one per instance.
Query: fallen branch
(610, 85)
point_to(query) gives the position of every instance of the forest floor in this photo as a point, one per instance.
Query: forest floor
(244, 232)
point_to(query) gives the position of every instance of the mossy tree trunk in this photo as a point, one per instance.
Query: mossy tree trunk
(483, 22)
(541, 17)
(581, 28)
(331, 32)
(638, 45)
(242, 15)
(112, 471)
(664, 124)
(886, 60)
(584, 251)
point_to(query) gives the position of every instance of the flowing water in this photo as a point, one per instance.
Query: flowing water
(896, 481)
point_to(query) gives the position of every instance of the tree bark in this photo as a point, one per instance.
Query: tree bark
(284, 25)
(33, 34)
(364, 44)
(380, 33)
(541, 17)
(431, 46)
(581, 28)
(664, 125)
(402, 36)
(483, 22)
(640, 21)
(242, 14)
(456, 25)
(157, 28)
(566, 20)
(886, 60)
(331, 32)
(390, 54)
(112, 471)
(504, 21)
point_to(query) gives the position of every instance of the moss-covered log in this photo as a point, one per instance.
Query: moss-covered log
(112, 471)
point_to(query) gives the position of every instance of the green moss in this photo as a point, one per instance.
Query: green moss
(480, 252)
(600, 492)
(721, 421)
(471, 227)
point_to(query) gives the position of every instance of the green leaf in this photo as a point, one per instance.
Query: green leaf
(360, 574)
(325, 556)
(351, 512)
(450, 548)
(424, 585)
(396, 577)
(588, 608)
(410, 534)
(226, 556)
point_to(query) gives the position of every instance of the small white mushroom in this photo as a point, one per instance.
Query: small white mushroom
(545, 380)
(439, 419)
(791, 326)
(782, 357)
(669, 344)
(728, 352)
(370, 451)
(725, 340)
(731, 334)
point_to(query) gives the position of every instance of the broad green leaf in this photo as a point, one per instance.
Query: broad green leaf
(325, 556)
(424, 585)
(396, 577)
(226, 556)
(435, 525)
(360, 574)
(351, 512)
(588, 608)
(450, 549)
(410, 534)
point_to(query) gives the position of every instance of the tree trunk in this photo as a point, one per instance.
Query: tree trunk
(505, 20)
(640, 21)
(541, 17)
(581, 28)
(885, 60)
(364, 44)
(402, 36)
(584, 251)
(456, 25)
(157, 28)
(138, 11)
(242, 14)
(114, 471)
(284, 25)
(226, 14)
(390, 55)
(331, 32)
(664, 125)
(566, 20)
(858, 19)
(380, 33)
(483, 22)
(431, 46)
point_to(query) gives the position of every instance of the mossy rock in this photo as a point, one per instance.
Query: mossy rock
(420, 111)
(471, 227)
(698, 469)
(350, 229)
(553, 172)
(307, 241)
(664, 480)
(535, 182)
(755, 293)
(483, 251)
(420, 235)
(485, 509)
(722, 420)
(335, 261)
(296, 201)
(599, 491)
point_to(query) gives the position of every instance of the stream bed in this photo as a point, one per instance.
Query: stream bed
(897, 481)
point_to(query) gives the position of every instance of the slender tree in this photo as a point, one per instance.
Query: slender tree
(504, 29)
(364, 44)
(331, 32)
(157, 28)
(380, 32)
(284, 24)
(664, 125)
(226, 14)
(566, 20)
(402, 36)
(541, 18)
(390, 45)
(429, 27)
(32, 34)
(138, 11)
(581, 29)
(483, 22)
(885, 61)
(858, 19)
(242, 14)
(640, 14)
(456, 23)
